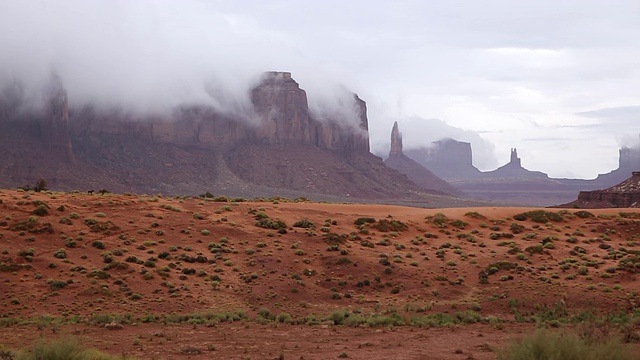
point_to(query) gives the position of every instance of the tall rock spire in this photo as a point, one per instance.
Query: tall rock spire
(396, 141)
(515, 160)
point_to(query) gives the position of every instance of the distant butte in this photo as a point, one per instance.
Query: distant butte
(514, 169)
(447, 158)
(512, 183)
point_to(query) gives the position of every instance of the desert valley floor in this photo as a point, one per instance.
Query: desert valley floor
(155, 277)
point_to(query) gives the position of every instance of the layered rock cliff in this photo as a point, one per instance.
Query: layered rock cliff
(35, 140)
(280, 116)
(275, 146)
(415, 172)
(623, 195)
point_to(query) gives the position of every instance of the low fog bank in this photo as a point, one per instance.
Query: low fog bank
(148, 57)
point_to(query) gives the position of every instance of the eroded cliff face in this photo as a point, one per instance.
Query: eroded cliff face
(280, 116)
(34, 135)
(45, 123)
(282, 111)
(276, 147)
(623, 195)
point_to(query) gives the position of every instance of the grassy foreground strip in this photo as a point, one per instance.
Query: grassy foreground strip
(265, 316)
(551, 345)
(61, 349)
(626, 324)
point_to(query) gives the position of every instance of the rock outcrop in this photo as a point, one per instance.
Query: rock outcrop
(415, 172)
(280, 116)
(623, 195)
(274, 146)
(35, 141)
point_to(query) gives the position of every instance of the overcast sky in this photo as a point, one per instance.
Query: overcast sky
(558, 79)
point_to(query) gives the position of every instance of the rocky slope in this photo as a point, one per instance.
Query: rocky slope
(276, 146)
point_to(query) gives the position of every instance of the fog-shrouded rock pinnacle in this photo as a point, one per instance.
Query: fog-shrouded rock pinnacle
(515, 160)
(396, 141)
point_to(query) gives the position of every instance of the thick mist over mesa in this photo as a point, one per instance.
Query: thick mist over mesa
(149, 57)
(568, 87)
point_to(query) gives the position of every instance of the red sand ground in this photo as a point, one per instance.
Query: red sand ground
(298, 274)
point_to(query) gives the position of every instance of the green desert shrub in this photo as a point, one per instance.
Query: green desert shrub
(583, 214)
(266, 222)
(305, 224)
(364, 220)
(62, 349)
(385, 225)
(539, 216)
(459, 224)
(60, 254)
(41, 210)
(516, 228)
(566, 346)
(535, 249)
(475, 215)
(439, 220)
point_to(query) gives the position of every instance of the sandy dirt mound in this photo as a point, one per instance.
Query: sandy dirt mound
(313, 280)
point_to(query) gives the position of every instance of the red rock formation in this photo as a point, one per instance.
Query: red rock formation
(275, 148)
(624, 195)
(415, 172)
(283, 111)
(36, 142)
(280, 107)
(396, 141)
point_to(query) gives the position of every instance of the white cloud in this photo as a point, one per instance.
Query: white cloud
(516, 71)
